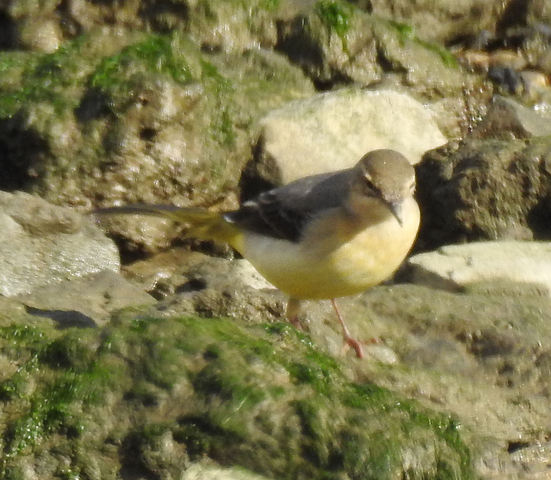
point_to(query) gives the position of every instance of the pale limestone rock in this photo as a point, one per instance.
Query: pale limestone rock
(334, 130)
(460, 265)
(41, 34)
(204, 471)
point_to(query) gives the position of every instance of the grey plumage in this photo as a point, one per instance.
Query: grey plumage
(282, 212)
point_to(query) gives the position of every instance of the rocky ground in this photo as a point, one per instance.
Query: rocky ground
(175, 362)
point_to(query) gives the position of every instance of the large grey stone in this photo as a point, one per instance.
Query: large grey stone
(461, 265)
(334, 130)
(86, 301)
(41, 243)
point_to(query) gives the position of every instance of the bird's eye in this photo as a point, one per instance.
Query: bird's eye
(368, 186)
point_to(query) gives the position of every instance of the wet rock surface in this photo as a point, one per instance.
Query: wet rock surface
(137, 118)
(43, 244)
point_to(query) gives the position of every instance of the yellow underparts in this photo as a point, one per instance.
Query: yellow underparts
(337, 256)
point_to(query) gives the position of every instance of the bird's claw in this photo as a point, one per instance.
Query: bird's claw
(355, 344)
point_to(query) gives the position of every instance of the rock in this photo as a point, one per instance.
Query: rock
(463, 386)
(338, 44)
(485, 189)
(199, 471)
(537, 88)
(456, 266)
(42, 35)
(505, 116)
(175, 390)
(381, 354)
(147, 119)
(533, 458)
(86, 301)
(531, 12)
(443, 21)
(334, 130)
(198, 284)
(236, 27)
(42, 244)
(179, 270)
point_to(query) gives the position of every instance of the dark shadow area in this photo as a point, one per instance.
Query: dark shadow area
(539, 220)
(133, 464)
(64, 318)
(94, 104)
(515, 446)
(21, 153)
(70, 26)
(163, 14)
(8, 32)
(253, 178)
(515, 14)
(295, 44)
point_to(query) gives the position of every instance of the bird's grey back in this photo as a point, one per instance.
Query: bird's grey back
(282, 212)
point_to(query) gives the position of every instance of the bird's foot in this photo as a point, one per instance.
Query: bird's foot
(292, 313)
(295, 322)
(355, 344)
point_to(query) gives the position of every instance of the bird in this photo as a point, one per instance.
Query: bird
(322, 236)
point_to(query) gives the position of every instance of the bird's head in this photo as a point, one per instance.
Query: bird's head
(386, 175)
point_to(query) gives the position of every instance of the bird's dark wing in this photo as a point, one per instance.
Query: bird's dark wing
(283, 212)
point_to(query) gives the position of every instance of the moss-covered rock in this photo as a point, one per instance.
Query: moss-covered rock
(234, 25)
(147, 395)
(444, 21)
(117, 118)
(337, 43)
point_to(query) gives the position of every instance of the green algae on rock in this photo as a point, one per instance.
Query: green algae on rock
(171, 390)
(116, 117)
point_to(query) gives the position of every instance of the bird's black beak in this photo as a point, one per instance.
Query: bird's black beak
(396, 209)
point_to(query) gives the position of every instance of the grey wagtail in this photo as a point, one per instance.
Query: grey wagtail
(319, 237)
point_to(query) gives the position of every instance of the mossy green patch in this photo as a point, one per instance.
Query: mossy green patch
(269, 4)
(448, 58)
(42, 78)
(335, 15)
(23, 342)
(210, 73)
(406, 33)
(121, 76)
(156, 53)
(222, 89)
(262, 397)
(60, 78)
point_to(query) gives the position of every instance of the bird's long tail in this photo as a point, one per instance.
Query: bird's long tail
(201, 223)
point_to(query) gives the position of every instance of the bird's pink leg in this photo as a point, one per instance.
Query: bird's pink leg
(292, 312)
(348, 339)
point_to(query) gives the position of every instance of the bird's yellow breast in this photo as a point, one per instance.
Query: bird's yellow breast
(336, 256)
